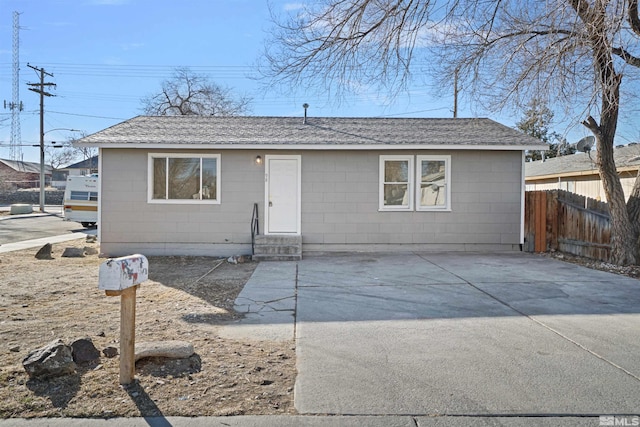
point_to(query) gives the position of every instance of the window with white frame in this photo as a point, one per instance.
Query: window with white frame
(184, 178)
(428, 186)
(396, 183)
(432, 183)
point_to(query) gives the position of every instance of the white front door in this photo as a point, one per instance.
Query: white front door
(282, 194)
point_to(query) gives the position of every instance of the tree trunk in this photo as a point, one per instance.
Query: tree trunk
(623, 238)
(633, 209)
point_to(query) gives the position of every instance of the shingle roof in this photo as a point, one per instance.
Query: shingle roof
(90, 163)
(26, 167)
(626, 156)
(318, 131)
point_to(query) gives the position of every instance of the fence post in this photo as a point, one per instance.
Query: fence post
(552, 220)
(541, 221)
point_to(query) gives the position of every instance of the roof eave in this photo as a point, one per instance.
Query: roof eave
(310, 147)
(578, 173)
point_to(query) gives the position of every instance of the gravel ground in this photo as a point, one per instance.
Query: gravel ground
(186, 298)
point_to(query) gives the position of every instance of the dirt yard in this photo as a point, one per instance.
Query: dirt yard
(186, 298)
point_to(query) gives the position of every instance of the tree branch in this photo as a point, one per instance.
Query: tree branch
(591, 124)
(634, 20)
(626, 56)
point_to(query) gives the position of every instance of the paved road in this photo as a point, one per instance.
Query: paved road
(36, 226)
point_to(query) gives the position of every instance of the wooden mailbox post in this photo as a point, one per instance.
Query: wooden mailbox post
(121, 277)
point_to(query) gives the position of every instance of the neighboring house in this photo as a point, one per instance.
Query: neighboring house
(86, 167)
(16, 174)
(188, 184)
(578, 172)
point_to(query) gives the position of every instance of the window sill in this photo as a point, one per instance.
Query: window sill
(183, 202)
(447, 209)
(395, 210)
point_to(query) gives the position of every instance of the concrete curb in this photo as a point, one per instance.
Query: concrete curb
(28, 244)
(307, 420)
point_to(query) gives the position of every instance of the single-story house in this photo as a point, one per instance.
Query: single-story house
(578, 172)
(83, 168)
(192, 184)
(16, 174)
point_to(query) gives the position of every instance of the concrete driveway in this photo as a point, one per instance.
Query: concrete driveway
(461, 334)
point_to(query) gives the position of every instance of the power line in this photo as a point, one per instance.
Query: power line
(86, 115)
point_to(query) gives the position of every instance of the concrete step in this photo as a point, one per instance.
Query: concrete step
(270, 257)
(278, 239)
(277, 247)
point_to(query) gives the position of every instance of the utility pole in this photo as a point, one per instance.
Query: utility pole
(39, 88)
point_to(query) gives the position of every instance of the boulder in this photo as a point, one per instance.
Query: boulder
(110, 352)
(84, 350)
(53, 360)
(169, 349)
(88, 250)
(73, 253)
(44, 252)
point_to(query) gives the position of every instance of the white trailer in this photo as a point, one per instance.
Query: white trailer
(81, 200)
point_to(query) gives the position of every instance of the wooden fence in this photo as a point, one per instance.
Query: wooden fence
(562, 221)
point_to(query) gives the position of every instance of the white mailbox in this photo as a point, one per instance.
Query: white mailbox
(117, 274)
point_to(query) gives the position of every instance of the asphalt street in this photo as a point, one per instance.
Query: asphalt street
(18, 228)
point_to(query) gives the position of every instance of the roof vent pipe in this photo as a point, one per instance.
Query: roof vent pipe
(305, 106)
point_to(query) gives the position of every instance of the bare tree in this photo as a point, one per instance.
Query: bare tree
(86, 153)
(59, 155)
(65, 153)
(506, 52)
(187, 93)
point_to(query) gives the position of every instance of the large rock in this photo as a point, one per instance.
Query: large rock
(110, 352)
(170, 349)
(53, 360)
(44, 252)
(73, 253)
(84, 351)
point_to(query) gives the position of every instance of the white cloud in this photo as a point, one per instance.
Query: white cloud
(293, 6)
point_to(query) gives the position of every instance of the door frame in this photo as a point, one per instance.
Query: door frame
(267, 169)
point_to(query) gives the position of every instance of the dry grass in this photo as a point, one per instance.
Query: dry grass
(186, 298)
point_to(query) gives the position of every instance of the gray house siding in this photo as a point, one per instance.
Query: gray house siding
(339, 205)
(130, 224)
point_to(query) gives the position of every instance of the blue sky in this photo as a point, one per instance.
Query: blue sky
(106, 55)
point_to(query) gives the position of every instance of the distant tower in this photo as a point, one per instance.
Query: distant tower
(16, 105)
